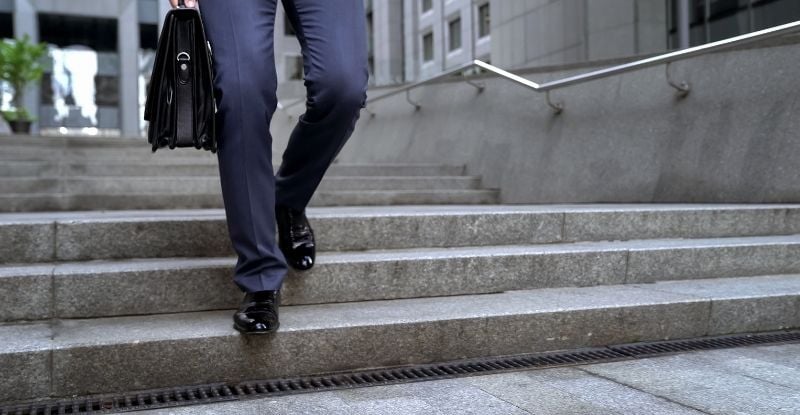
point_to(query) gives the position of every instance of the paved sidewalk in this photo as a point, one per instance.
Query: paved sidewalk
(763, 380)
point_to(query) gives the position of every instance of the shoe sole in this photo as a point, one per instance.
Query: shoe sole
(255, 333)
(300, 269)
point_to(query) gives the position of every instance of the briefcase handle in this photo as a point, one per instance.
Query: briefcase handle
(181, 3)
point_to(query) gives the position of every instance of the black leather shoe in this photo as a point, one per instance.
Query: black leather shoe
(295, 237)
(258, 313)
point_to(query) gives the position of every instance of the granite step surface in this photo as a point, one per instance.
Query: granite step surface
(67, 141)
(211, 184)
(86, 356)
(198, 167)
(70, 236)
(146, 286)
(42, 202)
(138, 153)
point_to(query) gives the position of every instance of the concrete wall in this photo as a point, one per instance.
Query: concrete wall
(547, 32)
(624, 139)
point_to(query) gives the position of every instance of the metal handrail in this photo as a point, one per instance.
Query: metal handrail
(459, 69)
(284, 107)
(683, 88)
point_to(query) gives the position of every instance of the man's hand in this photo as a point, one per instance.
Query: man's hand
(189, 3)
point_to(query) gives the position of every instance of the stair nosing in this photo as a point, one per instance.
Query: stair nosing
(435, 252)
(653, 294)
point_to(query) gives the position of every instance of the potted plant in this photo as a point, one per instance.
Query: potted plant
(20, 64)
(19, 120)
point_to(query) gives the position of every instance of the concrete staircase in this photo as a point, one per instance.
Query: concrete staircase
(109, 301)
(47, 174)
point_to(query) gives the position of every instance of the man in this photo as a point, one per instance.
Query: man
(332, 35)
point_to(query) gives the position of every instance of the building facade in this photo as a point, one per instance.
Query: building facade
(568, 31)
(415, 39)
(101, 51)
(552, 32)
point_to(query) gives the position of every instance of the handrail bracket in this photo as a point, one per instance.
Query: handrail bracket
(416, 105)
(557, 107)
(480, 86)
(682, 88)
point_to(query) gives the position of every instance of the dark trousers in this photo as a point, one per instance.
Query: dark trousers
(332, 35)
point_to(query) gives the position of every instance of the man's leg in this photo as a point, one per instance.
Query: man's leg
(333, 38)
(245, 81)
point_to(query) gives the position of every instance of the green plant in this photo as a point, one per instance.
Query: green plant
(18, 115)
(21, 64)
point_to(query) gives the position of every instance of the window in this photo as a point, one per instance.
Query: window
(148, 41)
(7, 32)
(294, 67)
(80, 88)
(427, 5)
(454, 34)
(6, 26)
(484, 24)
(712, 20)
(427, 47)
(148, 36)
(727, 18)
(99, 34)
(776, 12)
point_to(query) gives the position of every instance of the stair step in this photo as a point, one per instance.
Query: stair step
(60, 154)
(77, 141)
(198, 167)
(31, 185)
(394, 169)
(70, 236)
(16, 168)
(405, 197)
(67, 357)
(37, 202)
(211, 184)
(181, 284)
(43, 202)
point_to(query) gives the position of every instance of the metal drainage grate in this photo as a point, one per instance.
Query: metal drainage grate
(220, 392)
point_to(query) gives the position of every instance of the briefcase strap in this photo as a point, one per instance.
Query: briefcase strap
(185, 135)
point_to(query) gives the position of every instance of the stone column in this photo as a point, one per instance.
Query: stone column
(683, 24)
(128, 48)
(163, 7)
(651, 27)
(26, 23)
(388, 42)
(410, 34)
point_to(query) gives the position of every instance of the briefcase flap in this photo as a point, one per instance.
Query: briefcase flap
(180, 105)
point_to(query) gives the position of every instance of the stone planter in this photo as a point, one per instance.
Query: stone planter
(20, 127)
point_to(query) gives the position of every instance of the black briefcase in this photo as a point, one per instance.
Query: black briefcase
(180, 102)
